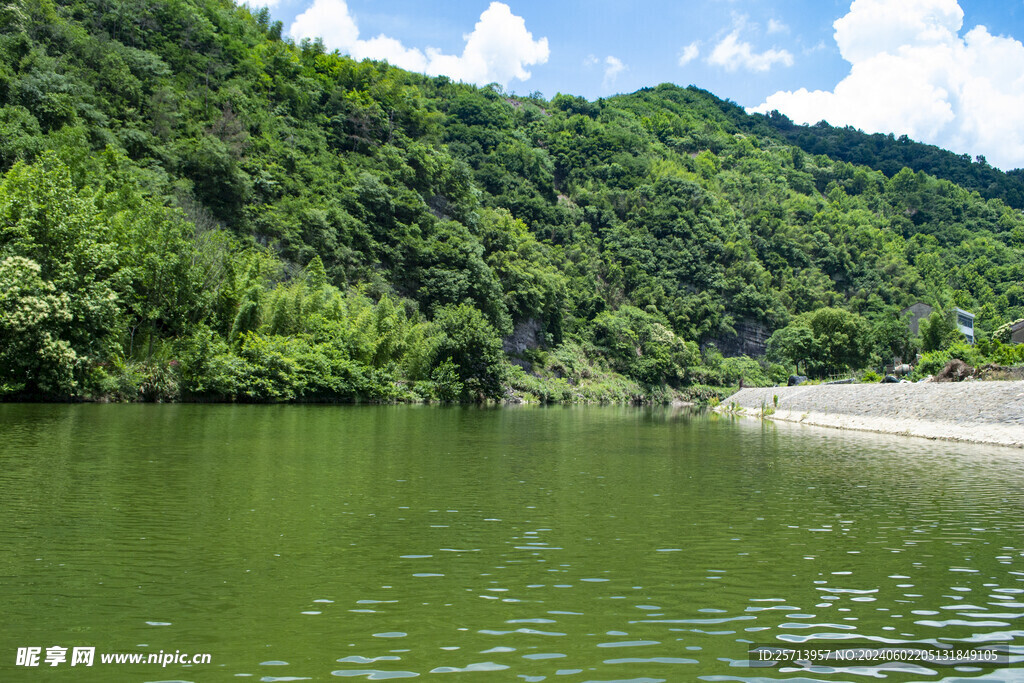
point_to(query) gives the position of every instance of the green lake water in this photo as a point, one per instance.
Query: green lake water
(513, 544)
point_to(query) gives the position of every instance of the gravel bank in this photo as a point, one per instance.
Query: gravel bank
(978, 412)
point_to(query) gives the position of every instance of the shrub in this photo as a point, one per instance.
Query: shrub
(1007, 354)
(934, 361)
(639, 345)
(744, 368)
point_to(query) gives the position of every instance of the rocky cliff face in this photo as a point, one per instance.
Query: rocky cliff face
(525, 335)
(750, 339)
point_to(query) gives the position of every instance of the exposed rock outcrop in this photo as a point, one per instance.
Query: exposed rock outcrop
(525, 335)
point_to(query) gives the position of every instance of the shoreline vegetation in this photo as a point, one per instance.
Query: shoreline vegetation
(975, 412)
(195, 208)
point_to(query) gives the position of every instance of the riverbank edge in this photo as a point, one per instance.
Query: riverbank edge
(926, 410)
(628, 394)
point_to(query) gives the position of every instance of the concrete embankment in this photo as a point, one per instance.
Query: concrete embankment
(978, 412)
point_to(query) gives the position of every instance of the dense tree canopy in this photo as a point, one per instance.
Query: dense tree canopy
(193, 206)
(891, 154)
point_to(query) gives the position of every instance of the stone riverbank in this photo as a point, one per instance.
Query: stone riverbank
(978, 412)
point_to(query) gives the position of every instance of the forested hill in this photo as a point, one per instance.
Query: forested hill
(192, 206)
(890, 154)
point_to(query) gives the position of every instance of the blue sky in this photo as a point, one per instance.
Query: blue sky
(947, 72)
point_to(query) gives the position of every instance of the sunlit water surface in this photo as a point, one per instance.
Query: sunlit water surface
(559, 544)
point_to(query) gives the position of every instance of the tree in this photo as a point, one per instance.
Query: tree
(939, 331)
(162, 288)
(828, 340)
(60, 232)
(638, 344)
(792, 344)
(891, 339)
(464, 338)
(34, 318)
(841, 339)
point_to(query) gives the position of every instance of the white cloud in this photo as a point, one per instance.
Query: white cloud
(613, 66)
(327, 19)
(817, 47)
(912, 73)
(690, 53)
(498, 50)
(875, 26)
(775, 26)
(731, 53)
(383, 47)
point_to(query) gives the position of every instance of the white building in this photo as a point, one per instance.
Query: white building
(965, 323)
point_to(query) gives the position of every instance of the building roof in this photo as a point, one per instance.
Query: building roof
(916, 303)
(960, 310)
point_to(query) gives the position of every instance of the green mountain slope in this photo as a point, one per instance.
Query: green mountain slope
(193, 207)
(890, 154)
